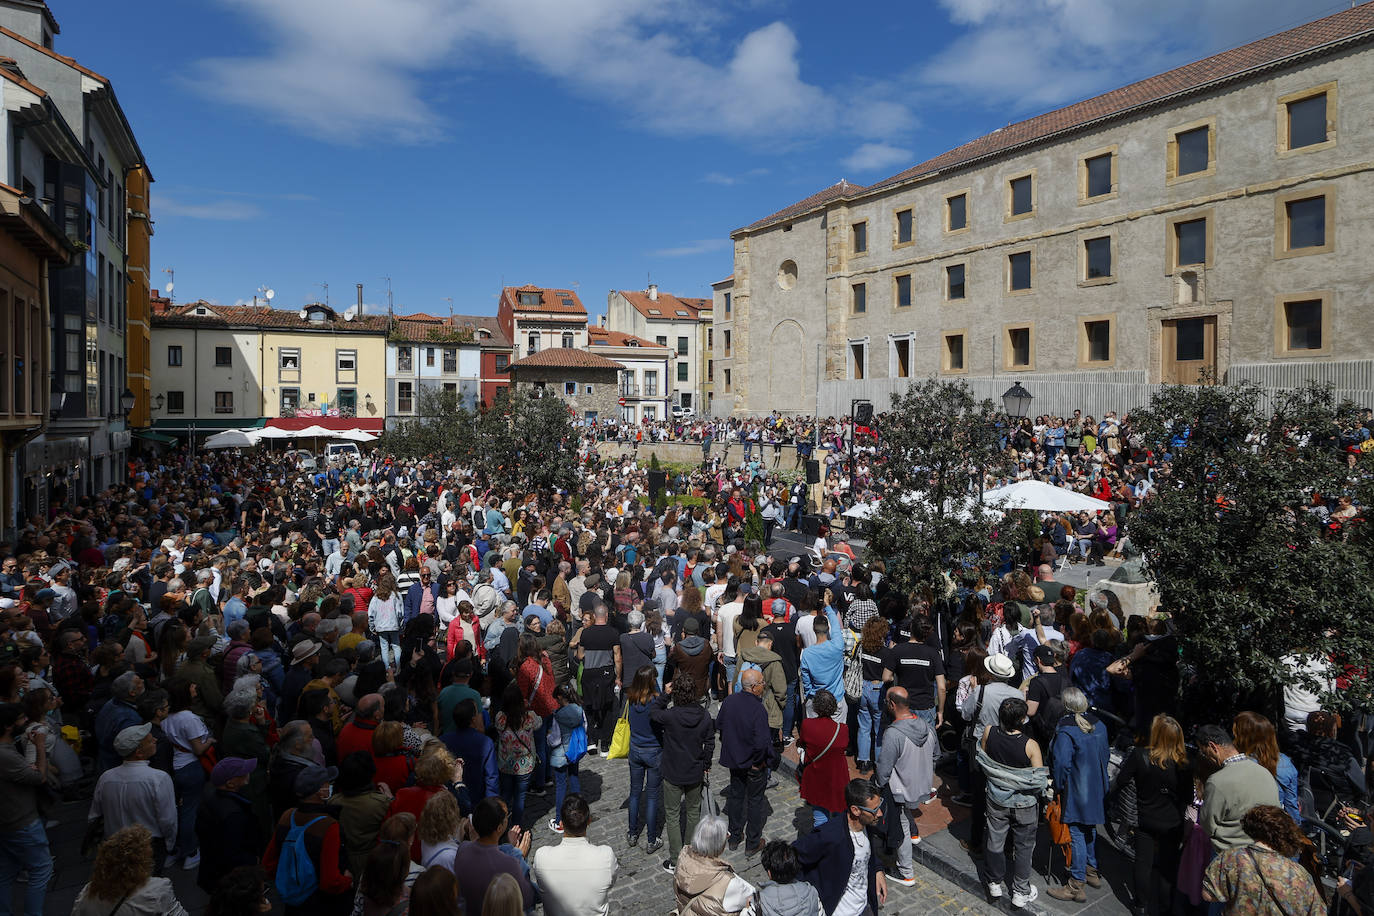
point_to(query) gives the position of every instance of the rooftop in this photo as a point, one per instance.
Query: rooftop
(605, 337)
(565, 358)
(552, 301)
(666, 307)
(209, 314)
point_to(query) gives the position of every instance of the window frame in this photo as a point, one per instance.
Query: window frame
(893, 362)
(340, 371)
(1327, 89)
(173, 397)
(897, 290)
(1172, 267)
(944, 270)
(228, 352)
(1007, 215)
(1083, 279)
(946, 367)
(282, 399)
(287, 373)
(945, 212)
(1083, 196)
(1281, 350)
(683, 370)
(1171, 175)
(1006, 266)
(1084, 348)
(857, 228)
(569, 389)
(897, 227)
(851, 362)
(858, 291)
(180, 354)
(339, 398)
(1283, 226)
(405, 359)
(224, 402)
(1008, 350)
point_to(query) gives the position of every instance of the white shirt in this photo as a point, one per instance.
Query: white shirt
(575, 877)
(713, 593)
(725, 625)
(855, 899)
(180, 728)
(806, 629)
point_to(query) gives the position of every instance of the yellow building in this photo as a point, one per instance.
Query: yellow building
(319, 364)
(137, 338)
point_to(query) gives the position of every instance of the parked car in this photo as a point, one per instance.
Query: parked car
(342, 452)
(684, 413)
(302, 459)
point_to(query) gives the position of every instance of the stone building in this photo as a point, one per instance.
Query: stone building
(1209, 222)
(588, 383)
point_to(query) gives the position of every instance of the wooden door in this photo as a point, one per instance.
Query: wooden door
(1189, 351)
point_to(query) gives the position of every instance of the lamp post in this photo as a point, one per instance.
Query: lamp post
(126, 402)
(1016, 406)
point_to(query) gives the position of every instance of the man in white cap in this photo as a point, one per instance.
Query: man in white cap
(135, 793)
(981, 708)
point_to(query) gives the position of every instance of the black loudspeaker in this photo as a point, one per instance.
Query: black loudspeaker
(863, 414)
(813, 471)
(657, 481)
(811, 525)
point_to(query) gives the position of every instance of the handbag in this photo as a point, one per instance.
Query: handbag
(710, 807)
(620, 739)
(1059, 831)
(970, 738)
(803, 760)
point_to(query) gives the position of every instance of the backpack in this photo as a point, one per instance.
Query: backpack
(296, 879)
(743, 667)
(577, 743)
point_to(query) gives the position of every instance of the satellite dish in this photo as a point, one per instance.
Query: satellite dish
(269, 294)
(350, 313)
(171, 286)
(304, 314)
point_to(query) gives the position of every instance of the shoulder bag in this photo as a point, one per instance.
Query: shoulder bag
(803, 759)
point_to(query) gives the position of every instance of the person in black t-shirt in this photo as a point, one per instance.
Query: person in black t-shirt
(1042, 696)
(920, 668)
(598, 646)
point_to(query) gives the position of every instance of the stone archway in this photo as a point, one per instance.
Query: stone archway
(787, 378)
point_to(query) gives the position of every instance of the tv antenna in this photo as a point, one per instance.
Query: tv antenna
(267, 293)
(171, 273)
(449, 300)
(390, 311)
(325, 286)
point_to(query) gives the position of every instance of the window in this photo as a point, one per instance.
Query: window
(405, 397)
(1018, 346)
(529, 298)
(682, 346)
(429, 357)
(859, 235)
(224, 402)
(1305, 223)
(1098, 175)
(1097, 258)
(224, 356)
(1307, 119)
(952, 353)
(1095, 344)
(502, 362)
(661, 340)
(710, 338)
(727, 303)
(1021, 196)
(405, 359)
(727, 341)
(682, 372)
(902, 290)
(1302, 325)
(710, 370)
(858, 360)
(587, 389)
(956, 212)
(903, 228)
(567, 340)
(174, 356)
(1019, 273)
(176, 402)
(1190, 242)
(859, 294)
(348, 400)
(1192, 151)
(901, 358)
(290, 400)
(347, 362)
(570, 389)
(650, 383)
(288, 360)
(532, 343)
(450, 359)
(651, 412)
(954, 281)
(727, 380)
(451, 387)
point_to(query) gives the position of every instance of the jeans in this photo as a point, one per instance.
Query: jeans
(389, 645)
(1021, 824)
(905, 868)
(870, 722)
(789, 709)
(679, 830)
(929, 717)
(189, 782)
(25, 848)
(513, 789)
(564, 781)
(542, 771)
(769, 525)
(328, 546)
(978, 788)
(645, 776)
(744, 799)
(1083, 839)
(794, 514)
(1156, 851)
(730, 661)
(660, 662)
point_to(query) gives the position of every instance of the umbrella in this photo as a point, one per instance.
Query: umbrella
(273, 432)
(313, 431)
(355, 435)
(861, 510)
(1035, 494)
(231, 438)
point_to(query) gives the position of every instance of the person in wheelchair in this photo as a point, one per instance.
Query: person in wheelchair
(1329, 767)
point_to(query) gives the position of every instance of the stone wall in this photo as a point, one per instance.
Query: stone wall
(602, 398)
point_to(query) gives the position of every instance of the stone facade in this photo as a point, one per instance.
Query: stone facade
(1258, 299)
(591, 393)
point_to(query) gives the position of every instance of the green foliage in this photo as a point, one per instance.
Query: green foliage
(690, 502)
(441, 428)
(753, 521)
(1249, 574)
(938, 436)
(653, 461)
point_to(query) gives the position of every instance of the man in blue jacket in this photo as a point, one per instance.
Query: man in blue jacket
(422, 597)
(478, 753)
(822, 665)
(838, 858)
(746, 749)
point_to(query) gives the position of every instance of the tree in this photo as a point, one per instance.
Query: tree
(937, 438)
(1250, 573)
(442, 428)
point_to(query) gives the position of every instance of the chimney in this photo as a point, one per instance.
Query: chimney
(601, 321)
(653, 292)
(360, 298)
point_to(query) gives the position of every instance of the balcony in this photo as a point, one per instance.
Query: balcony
(629, 390)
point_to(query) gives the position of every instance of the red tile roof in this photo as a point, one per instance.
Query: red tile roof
(427, 331)
(553, 301)
(9, 71)
(666, 305)
(565, 358)
(605, 337)
(1355, 23)
(489, 323)
(248, 316)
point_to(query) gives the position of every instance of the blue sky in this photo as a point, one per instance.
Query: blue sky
(456, 145)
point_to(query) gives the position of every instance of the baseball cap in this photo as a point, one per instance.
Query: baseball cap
(310, 779)
(128, 740)
(232, 768)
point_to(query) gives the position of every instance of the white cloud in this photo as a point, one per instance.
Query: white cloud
(222, 210)
(347, 71)
(873, 157)
(722, 178)
(689, 249)
(1031, 55)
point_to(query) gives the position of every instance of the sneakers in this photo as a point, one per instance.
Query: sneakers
(632, 838)
(995, 890)
(669, 867)
(915, 838)
(1019, 900)
(537, 792)
(191, 862)
(654, 846)
(555, 826)
(904, 882)
(591, 750)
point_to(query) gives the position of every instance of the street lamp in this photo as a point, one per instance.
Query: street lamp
(57, 402)
(1016, 402)
(159, 401)
(126, 402)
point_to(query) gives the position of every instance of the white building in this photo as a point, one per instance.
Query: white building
(681, 324)
(423, 351)
(643, 391)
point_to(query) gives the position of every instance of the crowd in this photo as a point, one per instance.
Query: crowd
(340, 692)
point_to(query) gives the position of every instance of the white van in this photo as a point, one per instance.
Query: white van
(342, 452)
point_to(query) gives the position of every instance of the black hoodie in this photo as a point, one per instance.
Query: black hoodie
(689, 741)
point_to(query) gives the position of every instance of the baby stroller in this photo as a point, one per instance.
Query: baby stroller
(1339, 828)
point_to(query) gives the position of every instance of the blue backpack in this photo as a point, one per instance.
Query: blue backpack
(577, 744)
(296, 878)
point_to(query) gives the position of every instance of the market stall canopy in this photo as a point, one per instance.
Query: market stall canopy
(232, 438)
(273, 432)
(314, 431)
(354, 435)
(1043, 497)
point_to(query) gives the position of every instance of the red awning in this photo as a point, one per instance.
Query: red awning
(338, 424)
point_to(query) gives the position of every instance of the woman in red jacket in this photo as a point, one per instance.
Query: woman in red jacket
(826, 772)
(394, 769)
(465, 626)
(534, 674)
